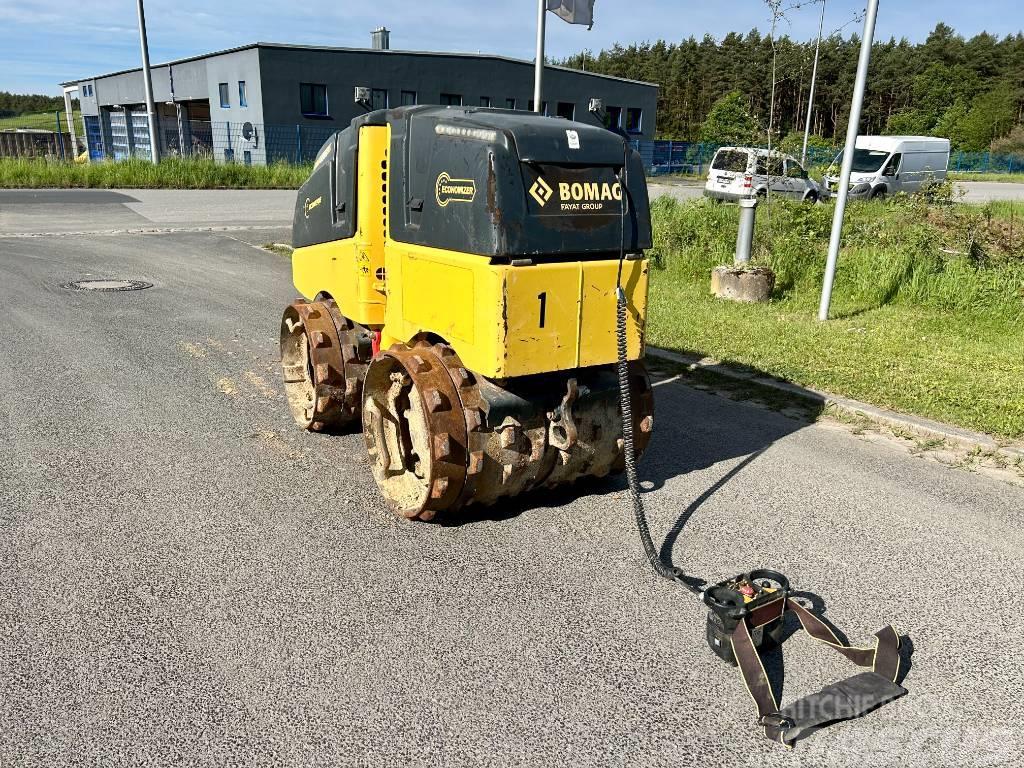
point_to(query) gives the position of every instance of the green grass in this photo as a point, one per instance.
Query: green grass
(1008, 178)
(676, 178)
(279, 248)
(172, 173)
(928, 304)
(43, 120)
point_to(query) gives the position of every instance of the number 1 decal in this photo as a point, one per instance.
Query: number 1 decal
(543, 296)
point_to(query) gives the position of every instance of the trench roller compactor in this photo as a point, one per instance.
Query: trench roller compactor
(460, 269)
(475, 292)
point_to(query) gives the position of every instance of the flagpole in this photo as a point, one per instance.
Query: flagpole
(859, 86)
(814, 78)
(147, 81)
(538, 79)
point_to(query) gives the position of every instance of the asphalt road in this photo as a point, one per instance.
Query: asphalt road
(186, 577)
(27, 212)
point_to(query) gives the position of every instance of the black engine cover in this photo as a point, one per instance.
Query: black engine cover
(497, 183)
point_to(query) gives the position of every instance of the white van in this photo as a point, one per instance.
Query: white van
(885, 165)
(742, 172)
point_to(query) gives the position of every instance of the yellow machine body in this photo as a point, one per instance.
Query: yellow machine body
(460, 270)
(503, 320)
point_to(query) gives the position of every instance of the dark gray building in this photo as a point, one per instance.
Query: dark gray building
(265, 101)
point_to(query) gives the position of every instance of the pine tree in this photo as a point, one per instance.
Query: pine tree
(971, 91)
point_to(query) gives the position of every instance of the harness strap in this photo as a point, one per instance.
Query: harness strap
(845, 700)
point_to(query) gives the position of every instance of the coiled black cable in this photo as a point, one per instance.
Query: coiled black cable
(660, 567)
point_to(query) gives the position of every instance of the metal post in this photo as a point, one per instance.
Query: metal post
(538, 77)
(60, 136)
(71, 120)
(851, 146)
(298, 143)
(177, 114)
(184, 149)
(129, 134)
(814, 78)
(147, 81)
(745, 236)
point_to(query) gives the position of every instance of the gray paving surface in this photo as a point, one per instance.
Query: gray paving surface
(101, 210)
(187, 578)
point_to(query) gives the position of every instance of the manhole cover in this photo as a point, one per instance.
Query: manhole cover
(107, 285)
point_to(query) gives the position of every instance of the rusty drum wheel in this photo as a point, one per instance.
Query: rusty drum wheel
(313, 363)
(415, 431)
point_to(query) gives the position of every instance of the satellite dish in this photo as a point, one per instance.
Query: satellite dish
(249, 133)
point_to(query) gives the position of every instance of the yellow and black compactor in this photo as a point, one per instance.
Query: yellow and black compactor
(459, 269)
(474, 292)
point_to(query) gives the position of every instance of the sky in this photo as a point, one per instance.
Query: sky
(45, 42)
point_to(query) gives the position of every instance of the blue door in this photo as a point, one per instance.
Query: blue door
(93, 137)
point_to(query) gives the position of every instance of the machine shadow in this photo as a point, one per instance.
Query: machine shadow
(693, 430)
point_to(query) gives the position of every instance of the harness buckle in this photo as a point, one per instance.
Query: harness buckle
(777, 721)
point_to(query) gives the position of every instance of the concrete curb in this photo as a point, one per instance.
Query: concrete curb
(853, 407)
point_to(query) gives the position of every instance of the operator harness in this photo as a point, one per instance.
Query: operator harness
(746, 613)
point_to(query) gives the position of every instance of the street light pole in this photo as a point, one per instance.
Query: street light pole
(814, 78)
(851, 145)
(538, 78)
(147, 79)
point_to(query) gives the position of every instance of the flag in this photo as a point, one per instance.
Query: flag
(574, 11)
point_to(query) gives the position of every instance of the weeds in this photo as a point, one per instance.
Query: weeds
(171, 173)
(928, 303)
(279, 248)
(904, 251)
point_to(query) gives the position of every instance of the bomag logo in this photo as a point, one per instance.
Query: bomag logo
(449, 190)
(588, 191)
(309, 205)
(541, 191)
(577, 197)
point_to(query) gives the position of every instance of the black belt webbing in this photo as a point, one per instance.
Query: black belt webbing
(845, 700)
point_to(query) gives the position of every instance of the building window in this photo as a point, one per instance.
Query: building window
(567, 110)
(242, 101)
(225, 99)
(313, 99)
(379, 98)
(634, 120)
(247, 157)
(485, 101)
(510, 103)
(229, 155)
(543, 107)
(408, 98)
(451, 99)
(613, 118)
